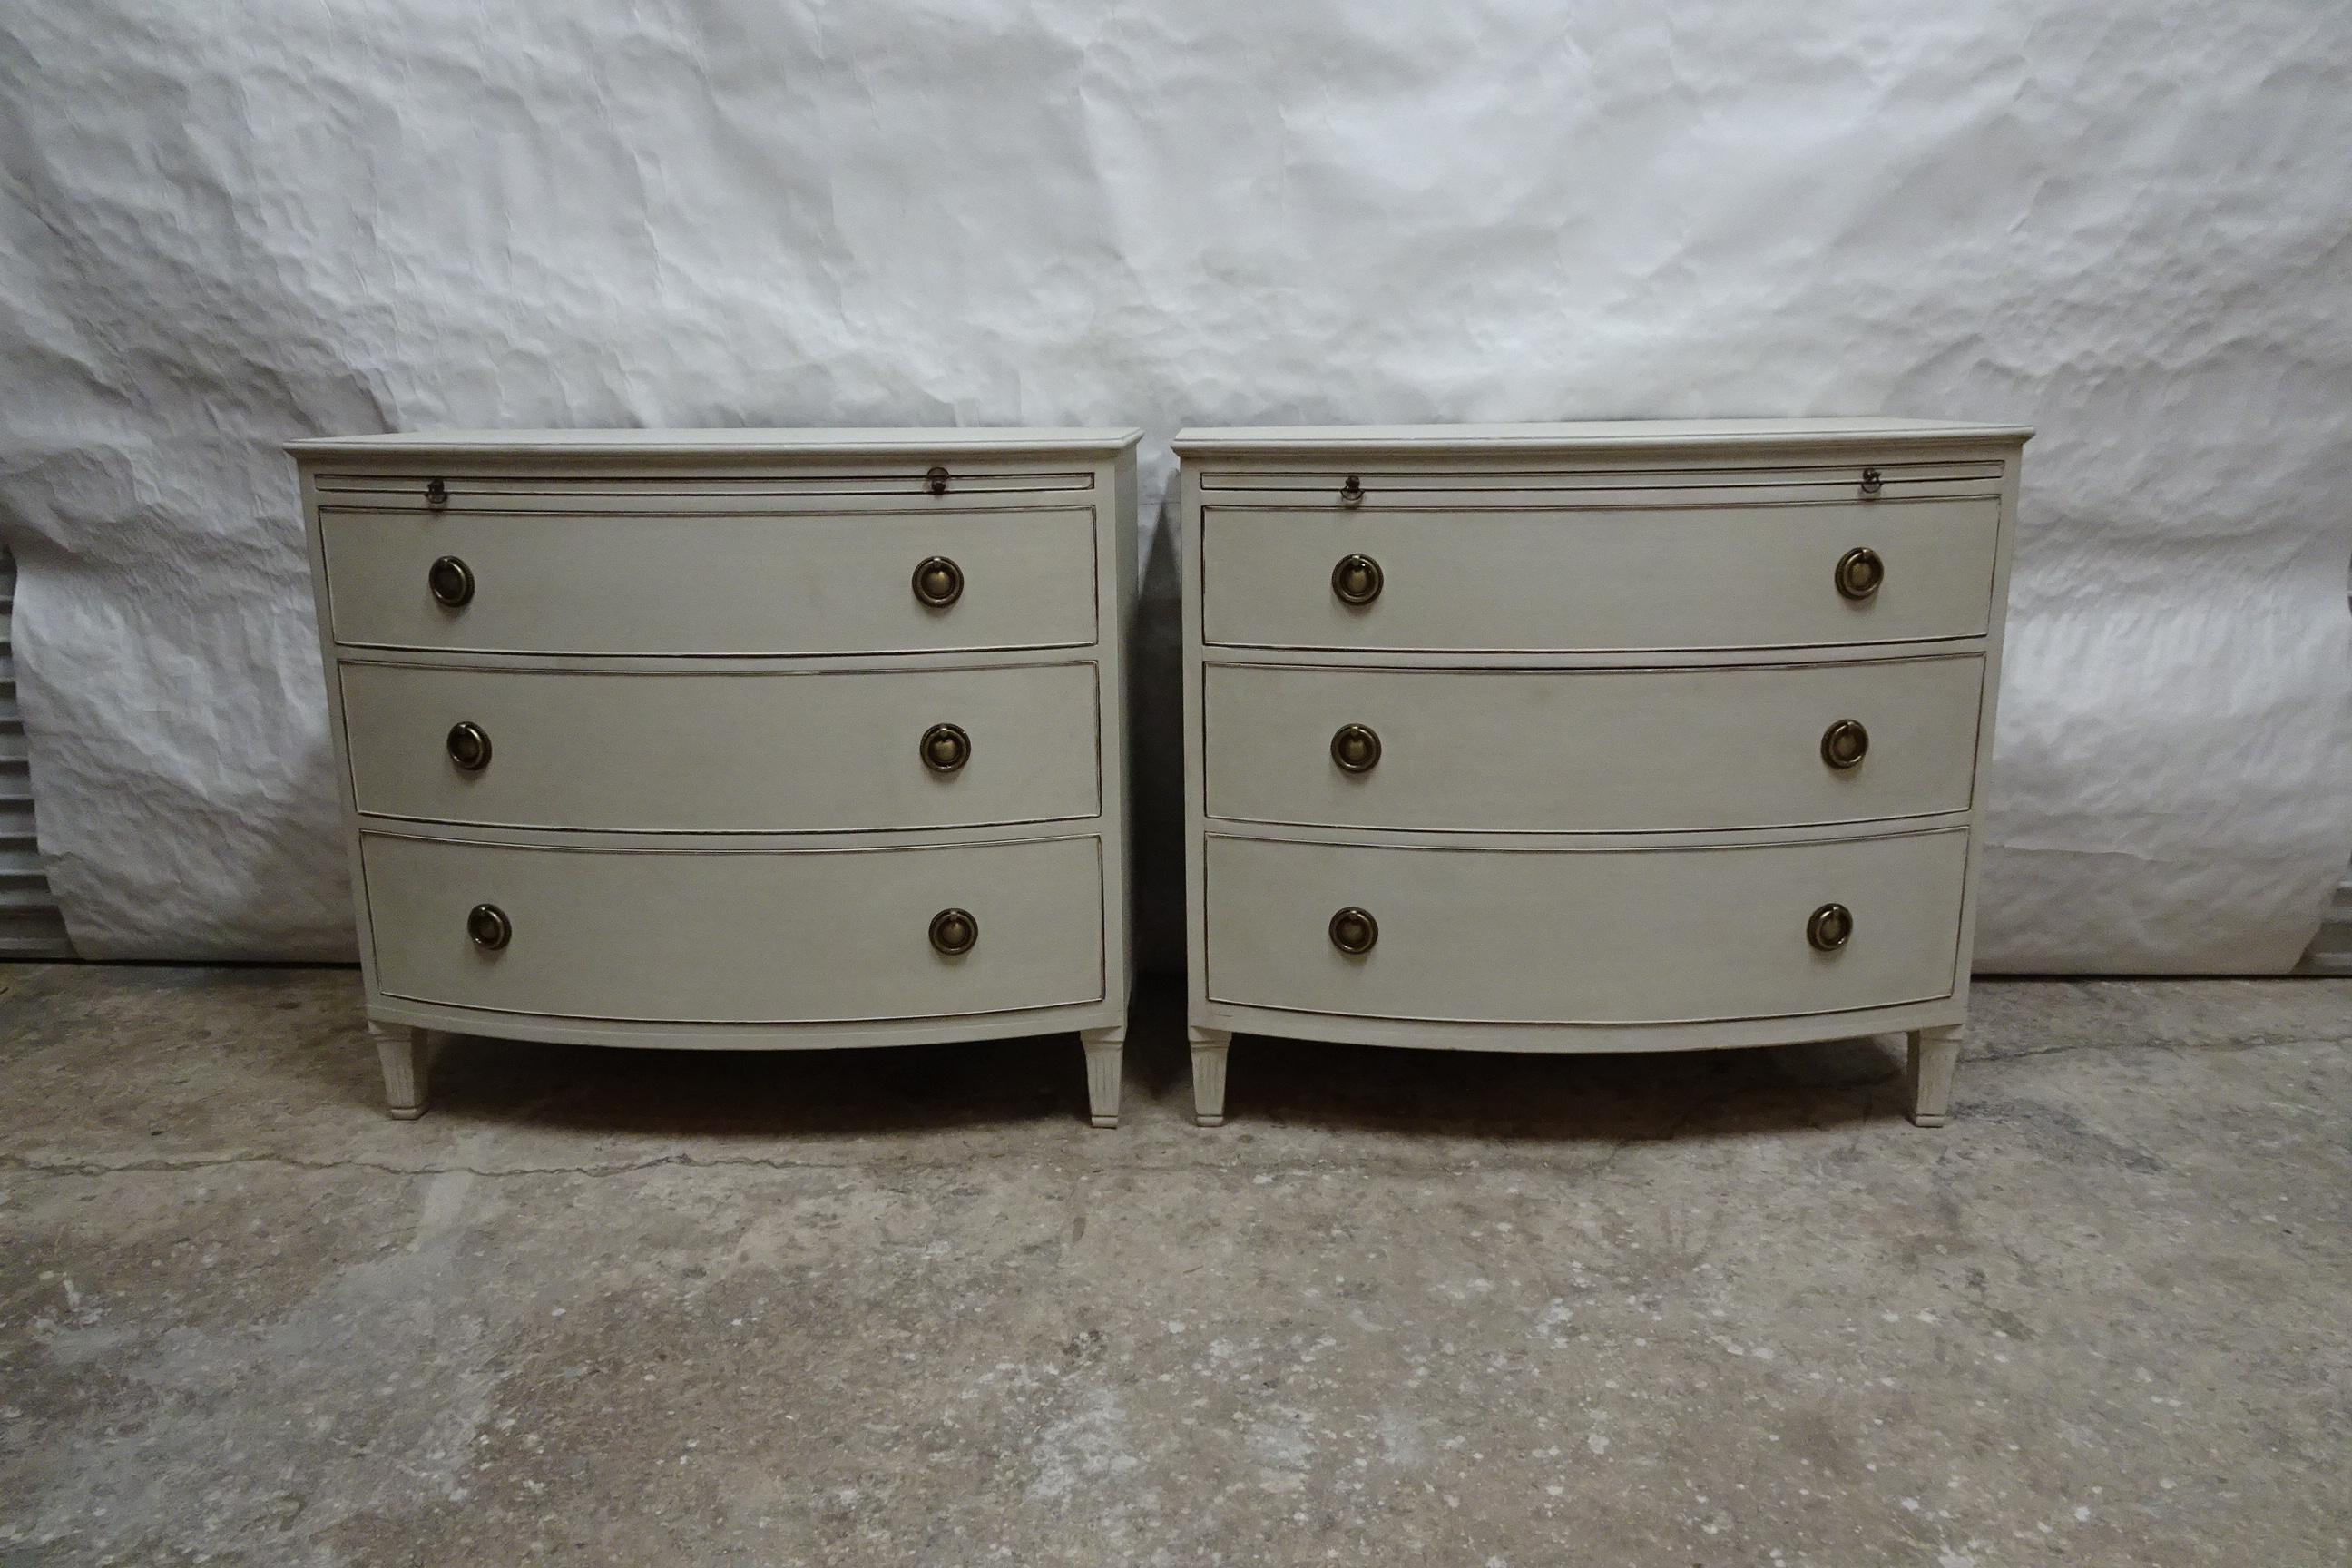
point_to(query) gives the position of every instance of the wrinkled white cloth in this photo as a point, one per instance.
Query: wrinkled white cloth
(2126, 224)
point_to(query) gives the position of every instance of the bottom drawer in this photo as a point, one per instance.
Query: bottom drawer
(737, 937)
(1583, 936)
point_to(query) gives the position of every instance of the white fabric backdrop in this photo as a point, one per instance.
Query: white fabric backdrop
(2129, 224)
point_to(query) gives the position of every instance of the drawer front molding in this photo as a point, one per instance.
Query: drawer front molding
(1591, 751)
(780, 751)
(655, 583)
(1698, 577)
(1602, 936)
(747, 937)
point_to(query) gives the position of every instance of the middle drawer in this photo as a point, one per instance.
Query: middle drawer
(1591, 751)
(782, 752)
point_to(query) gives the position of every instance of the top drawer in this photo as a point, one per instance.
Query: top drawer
(1596, 577)
(807, 582)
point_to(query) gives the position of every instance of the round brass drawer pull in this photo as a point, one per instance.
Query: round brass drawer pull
(469, 746)
(1353, 931)
(451, 581)
(1351, 493)
(1872, 481)
(1831, 926)
(489, 926)
(1844, 744)
(939, 581)
(1356, 748)
(1357, 579)
(954, 932)
(945, 748)
(1860, 572)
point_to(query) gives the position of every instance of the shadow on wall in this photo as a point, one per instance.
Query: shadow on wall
(1156, 750)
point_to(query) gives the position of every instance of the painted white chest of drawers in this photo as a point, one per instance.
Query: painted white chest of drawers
(732, 739)
(1604, 737)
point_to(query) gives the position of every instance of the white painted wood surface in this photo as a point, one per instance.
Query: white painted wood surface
(1608, 578)
(730, 937)
(705, 675)
(1600, 820)
(1602, 936)
(656, 583)
(778, 752)
(1622, 750)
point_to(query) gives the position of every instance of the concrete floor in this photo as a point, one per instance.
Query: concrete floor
(905, 1306)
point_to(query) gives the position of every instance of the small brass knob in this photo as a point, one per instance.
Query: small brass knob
(954, 932)
(1844, 744)
(1860, 572)
(1356, 748)
(436, 492)
(1831, 926)
(936, 481)
(945, 748)
(1872, 481)
(451, 581)
(939, 581)
(1353, 931)
(1357, 579)
(1351, 493)
(469, 746)
(489, 926)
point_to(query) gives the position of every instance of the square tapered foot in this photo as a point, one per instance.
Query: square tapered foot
(1209, 1049)
(1935, 1053)
(407, 1057)
(1105, 1056)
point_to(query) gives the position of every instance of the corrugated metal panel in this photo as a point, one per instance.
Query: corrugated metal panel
(30, 926)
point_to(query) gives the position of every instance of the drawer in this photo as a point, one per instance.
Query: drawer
(1583, 936)
(774, 751)
(710, 584)
(738, 937)
(1591, 750)
(1597, 578)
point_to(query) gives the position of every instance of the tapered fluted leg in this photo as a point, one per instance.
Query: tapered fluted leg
(1933, 1053)
(1209, 1048)
(405, 1055)
(1106, 1054)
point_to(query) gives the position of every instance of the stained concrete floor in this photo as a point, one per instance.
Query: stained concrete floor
(906, 1307)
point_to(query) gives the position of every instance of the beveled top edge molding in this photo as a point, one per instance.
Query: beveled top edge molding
(1591, 436)
(724, 444)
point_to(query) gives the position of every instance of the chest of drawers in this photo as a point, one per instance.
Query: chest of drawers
(1607, 737)
(731, 739)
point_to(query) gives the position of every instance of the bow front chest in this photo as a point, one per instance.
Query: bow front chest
(1629, 736)
(746, 738)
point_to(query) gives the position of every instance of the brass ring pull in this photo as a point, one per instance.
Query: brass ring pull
(1356, 748)
(1353, 931)
(936, 481)
(1831, 926)
(451, 581)
(1351, 493)
(1860, 572)
(945, 748)
(939, 581)
(469, 746)
(489, 926)
(1844, 744)
(437, 493)
(1872, 481)
(1357, 579)
(954, 932)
